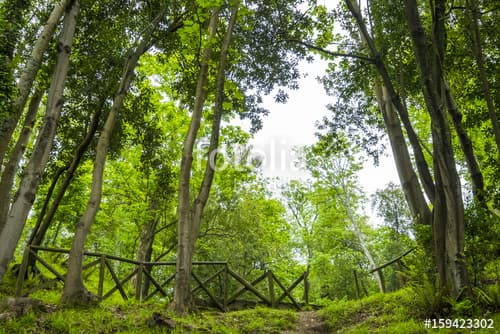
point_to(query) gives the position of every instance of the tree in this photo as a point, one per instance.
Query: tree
(26, 194)
(335, 171)
(189, 219)
(392, 207)
(74, 290)
(303, 214)
(9, 119)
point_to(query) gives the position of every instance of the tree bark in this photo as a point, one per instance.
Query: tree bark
(144, 250)
(407, 176)
(466, 144)
(74, 291)
(9, 123)
(185, 246)
(26, 194)
(422, 166)
(45, 219)
(438, 51)
(9, 172)
(477, 48)
(190, 216)
(450, 205)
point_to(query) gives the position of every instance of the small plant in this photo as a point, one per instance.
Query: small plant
(431, 298)
(488, 296)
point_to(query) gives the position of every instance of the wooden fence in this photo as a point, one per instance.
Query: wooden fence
(230, 285)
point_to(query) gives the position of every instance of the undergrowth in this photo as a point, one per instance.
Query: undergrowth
(404, 311)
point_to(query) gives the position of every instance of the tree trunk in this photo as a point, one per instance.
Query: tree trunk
(407, 176)
(26, 194)
(44, 220)
(448, 188)
(377, 275)
(473, 10)
(438, 52)
(466, 144)
(144, 250)
(9, 172)
(190, 217)
(12, 16)
(422, 166)
(9, 123)
(74, 291)
(185, 247)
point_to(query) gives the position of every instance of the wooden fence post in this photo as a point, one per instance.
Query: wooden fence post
(22, 271)
(271, 288)
(306, 287)
(225, 285)
(101, 276)
(138, 289)
(358, 292)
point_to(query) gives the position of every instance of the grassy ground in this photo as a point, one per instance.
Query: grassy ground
(400, 312)
(134, 317)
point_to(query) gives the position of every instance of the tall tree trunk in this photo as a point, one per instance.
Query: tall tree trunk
(26, 194)
(438, 52)
(477, 48)
(422, 166)
(9, 172)
(466, 144)
(74, 291)
(407, 176)
(377, 275)
(190, 216)
(44, 220)
(450, 206)
(9, 122)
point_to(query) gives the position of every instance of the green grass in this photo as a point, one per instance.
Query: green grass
(403, 311)
(134, 317)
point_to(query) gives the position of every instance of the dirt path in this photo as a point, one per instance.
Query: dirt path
(309, 322)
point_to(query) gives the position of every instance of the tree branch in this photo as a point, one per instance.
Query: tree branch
(332, 53)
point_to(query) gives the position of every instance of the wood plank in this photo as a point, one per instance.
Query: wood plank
(391, 261)
(91, 264)
(168, 280)
(208, 280)
(212, 297)
(245, 289)
(115, 278)
(138, 282)
(155, 283)
(22, 271)
(48, 266)
(123, 281)
(286, 292)
(290, 289)
(102, 261)
(249, 286)
(271, 287)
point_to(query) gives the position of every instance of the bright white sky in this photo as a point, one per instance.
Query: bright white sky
(293, 124)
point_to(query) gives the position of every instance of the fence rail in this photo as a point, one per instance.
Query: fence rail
(143, 271)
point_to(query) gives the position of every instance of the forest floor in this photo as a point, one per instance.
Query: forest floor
(403, 311)
(308, 322)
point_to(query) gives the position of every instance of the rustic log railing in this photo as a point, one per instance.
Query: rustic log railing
(225, 296)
